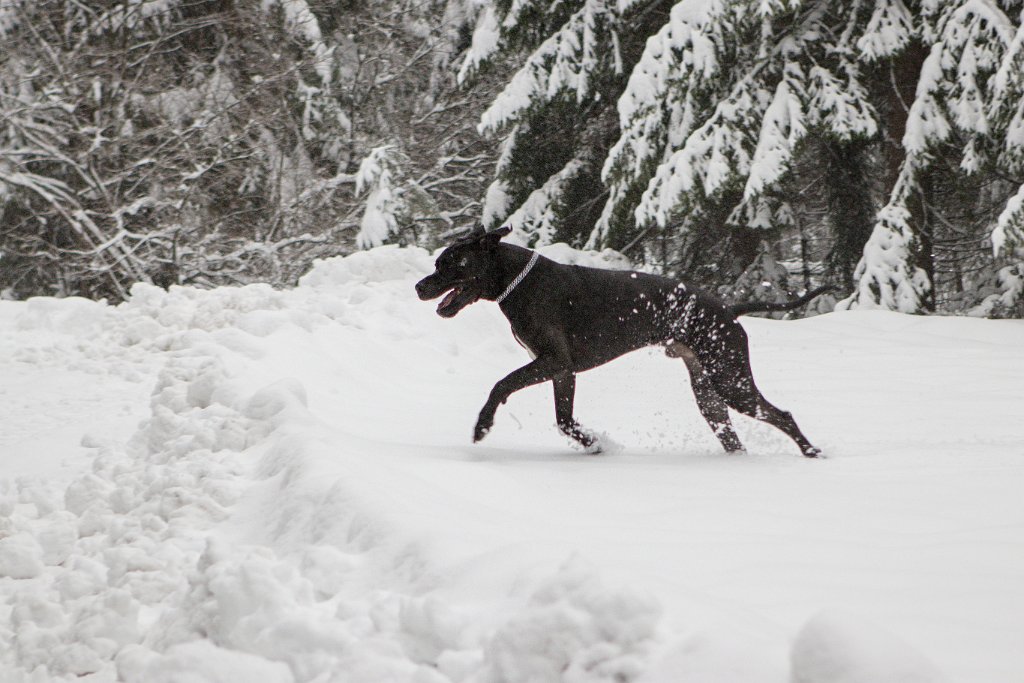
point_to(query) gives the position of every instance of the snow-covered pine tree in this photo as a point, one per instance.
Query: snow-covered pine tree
(720, 103)
(393, 201)
(718, 107)
(716, 103)
(960, 114)
(376, 177)
(1005, 107)
(556, 112)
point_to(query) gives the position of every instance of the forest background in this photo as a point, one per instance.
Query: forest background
(756, 147)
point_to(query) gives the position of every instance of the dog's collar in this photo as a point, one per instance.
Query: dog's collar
(519, 278)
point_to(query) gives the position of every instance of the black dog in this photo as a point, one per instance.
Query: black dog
(573, 318)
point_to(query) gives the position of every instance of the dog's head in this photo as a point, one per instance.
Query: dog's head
(464, 270)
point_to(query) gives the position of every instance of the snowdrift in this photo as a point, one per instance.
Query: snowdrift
(253, 484)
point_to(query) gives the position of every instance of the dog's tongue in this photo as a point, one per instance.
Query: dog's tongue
(448, 298)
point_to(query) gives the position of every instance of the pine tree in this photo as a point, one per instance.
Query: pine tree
(715, 106)
(948, 118)
(722, 103)
(557, 111)
(718, 110)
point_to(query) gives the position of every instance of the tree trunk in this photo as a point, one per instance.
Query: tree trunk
(851, 211)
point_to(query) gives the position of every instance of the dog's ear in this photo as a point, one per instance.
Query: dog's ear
(492, 238)
(474, 234)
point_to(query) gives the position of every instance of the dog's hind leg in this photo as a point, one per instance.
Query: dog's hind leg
(711, 405)
(742, 395)
(565, 393)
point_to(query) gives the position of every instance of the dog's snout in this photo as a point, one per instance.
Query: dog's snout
(422, 289)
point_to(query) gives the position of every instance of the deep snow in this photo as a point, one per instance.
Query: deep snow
(249, 484)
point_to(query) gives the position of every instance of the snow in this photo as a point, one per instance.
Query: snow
(497, 200)
(1009, 292)
(781, 130)
(837, 647)
(9, 10)
(496, 203)
(974, 41)
(888, 31)
(843, 107)
(301, 20)
(886, 275)
(21, 557)
(1007, 235)
(259, 484)
(201, 661)
(485, 41)
(527, 85)
(378, 221)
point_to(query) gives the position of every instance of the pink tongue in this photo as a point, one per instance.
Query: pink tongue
(450, 297)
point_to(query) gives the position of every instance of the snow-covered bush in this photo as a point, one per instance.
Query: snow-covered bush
(393, 201)
(180, 143)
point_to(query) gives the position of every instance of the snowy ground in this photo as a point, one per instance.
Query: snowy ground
(279, 486)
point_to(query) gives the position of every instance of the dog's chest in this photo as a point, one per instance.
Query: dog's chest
(523, 344)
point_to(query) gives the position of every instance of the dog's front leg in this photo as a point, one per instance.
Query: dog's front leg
(565, 393)
(540, 370)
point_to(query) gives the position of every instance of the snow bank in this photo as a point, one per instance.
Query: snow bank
(574, 630)
(122, 537)
(838, 647)
(130, 577)
(200, 661)
(126, 573)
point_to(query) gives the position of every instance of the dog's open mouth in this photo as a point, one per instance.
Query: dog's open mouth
(455, 300)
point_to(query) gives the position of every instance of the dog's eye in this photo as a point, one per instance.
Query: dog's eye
(463, 262)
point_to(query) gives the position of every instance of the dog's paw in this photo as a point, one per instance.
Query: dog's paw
(587, 440)
(603, 443)
(483, 427)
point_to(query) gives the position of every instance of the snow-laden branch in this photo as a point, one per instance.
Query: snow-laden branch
(565, 63)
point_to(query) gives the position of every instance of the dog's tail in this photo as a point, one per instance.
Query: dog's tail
(767, 307)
